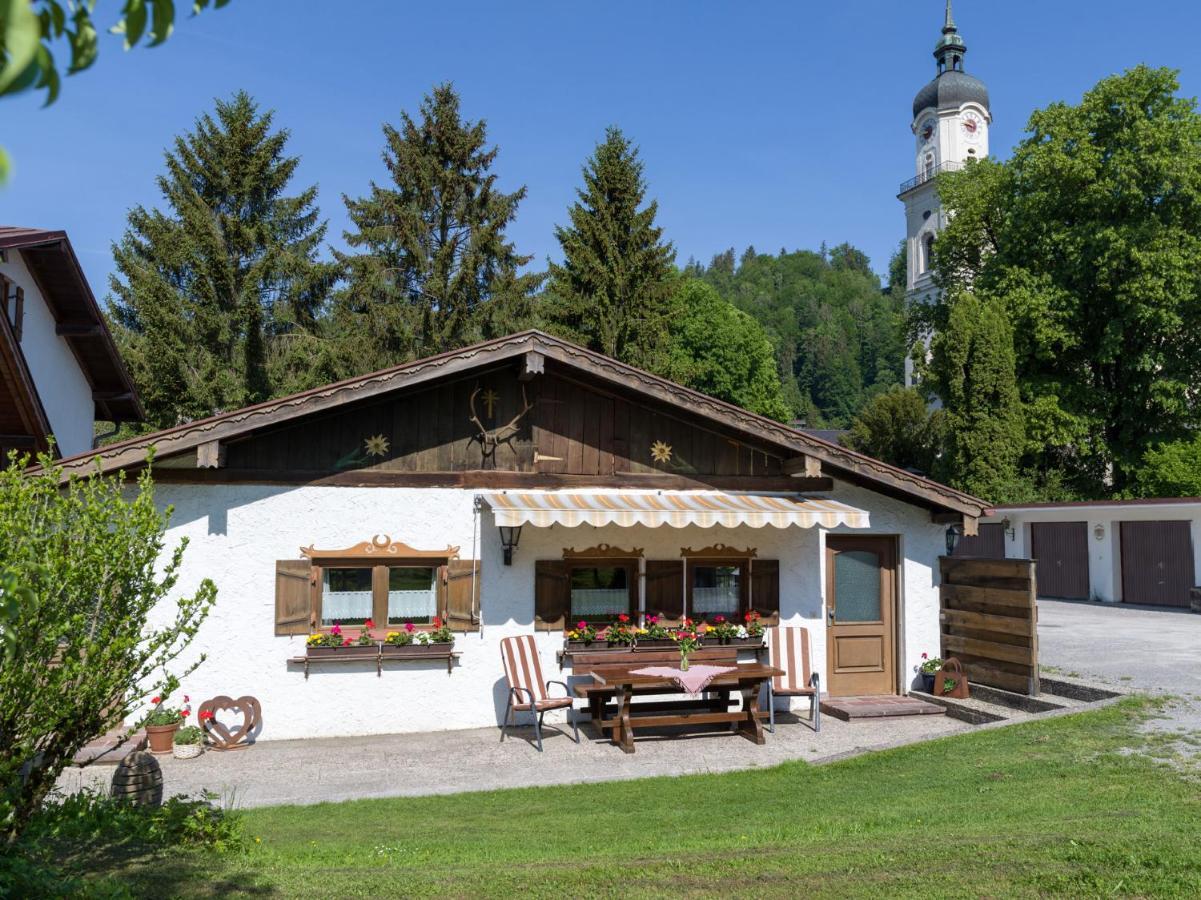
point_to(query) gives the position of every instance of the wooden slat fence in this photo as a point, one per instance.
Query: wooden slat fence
(989, 620)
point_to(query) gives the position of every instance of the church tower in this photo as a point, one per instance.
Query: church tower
(951, 118)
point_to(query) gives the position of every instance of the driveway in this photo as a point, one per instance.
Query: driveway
(1152, 650)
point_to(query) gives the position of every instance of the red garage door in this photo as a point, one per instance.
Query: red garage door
(1061, 550)
(1157, 563)
(989, 543)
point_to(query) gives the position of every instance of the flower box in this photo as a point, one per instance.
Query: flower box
(749, 643)
(655, 644)
(396, 651)
(577, 646)
(354, 651)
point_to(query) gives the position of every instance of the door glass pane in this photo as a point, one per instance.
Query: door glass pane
(715, 589)
(856, 586)
(412, 596)
(599, 592)
(345, 596)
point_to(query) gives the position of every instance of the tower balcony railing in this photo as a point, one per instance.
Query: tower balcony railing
(929, 174)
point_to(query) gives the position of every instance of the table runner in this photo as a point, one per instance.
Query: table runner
(693, 681)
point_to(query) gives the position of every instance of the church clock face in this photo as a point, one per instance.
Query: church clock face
(973, 127)
(926, 131)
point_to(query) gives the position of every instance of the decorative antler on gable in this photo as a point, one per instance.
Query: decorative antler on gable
(491, 439)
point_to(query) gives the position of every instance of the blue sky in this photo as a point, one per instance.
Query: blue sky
(777, 124)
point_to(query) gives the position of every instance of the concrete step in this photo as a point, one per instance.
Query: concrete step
(107, 750)
(848, 708)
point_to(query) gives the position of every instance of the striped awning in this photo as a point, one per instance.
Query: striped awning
(674, 508)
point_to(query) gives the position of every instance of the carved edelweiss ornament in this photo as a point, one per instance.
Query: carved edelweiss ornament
(376, 445)
(661, 451)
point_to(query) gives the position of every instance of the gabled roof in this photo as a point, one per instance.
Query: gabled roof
(836, 460)
(52, 262)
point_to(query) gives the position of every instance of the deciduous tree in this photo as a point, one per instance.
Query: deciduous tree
(898, 427)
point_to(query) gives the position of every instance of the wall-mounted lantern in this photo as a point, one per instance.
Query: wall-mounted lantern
(1007, 526)
(1099, 532)
(509, 537)
(954, 533)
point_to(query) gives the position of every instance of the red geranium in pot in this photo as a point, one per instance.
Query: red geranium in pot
(163, 722)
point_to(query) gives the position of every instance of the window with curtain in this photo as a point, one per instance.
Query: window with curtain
(600, 593)
(716, 590)
(412, 595)
(346, 596)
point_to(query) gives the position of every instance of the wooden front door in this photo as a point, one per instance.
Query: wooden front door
(861, 611)
(1157, 563)
(1061, 551)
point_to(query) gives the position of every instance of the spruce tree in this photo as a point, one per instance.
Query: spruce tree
(218, 294)
(613, 291)
(434, 270)
(973, 368)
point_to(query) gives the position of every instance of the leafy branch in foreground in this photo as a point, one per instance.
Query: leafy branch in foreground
(105, 629)
(30, 31)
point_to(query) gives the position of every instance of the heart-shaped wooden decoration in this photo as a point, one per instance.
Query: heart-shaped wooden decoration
(219, 734)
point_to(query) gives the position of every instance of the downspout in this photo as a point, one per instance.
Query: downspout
(476, 613)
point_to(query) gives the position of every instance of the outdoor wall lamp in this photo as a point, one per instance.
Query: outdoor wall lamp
(1099, 532)
(1007, 526)
(954, 533)
(509, 536)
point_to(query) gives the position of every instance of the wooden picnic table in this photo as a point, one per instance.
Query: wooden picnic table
(748, 679)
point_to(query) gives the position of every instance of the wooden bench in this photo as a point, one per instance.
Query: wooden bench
(598, 695)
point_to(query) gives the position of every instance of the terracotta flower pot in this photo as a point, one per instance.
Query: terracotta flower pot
(161, 737)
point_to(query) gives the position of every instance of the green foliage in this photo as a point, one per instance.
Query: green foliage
(838, 338)
(31, 29)
(16, 600)
(613, 291)
(218, 297)
(189, 734)
(898, 427)
(1170, 470)
(1091, 238)
(721, 351)
(972, 370)
(87, 653)
(435, 271)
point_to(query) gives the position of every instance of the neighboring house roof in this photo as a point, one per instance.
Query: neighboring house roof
(836, 460)
(52, 263)
(1092, 504)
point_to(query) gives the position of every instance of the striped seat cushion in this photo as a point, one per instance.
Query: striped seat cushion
(522, 670)
(789, 650)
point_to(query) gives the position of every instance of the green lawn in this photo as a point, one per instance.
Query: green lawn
(1046, 808)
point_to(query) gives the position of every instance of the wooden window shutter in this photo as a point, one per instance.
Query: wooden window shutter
(552, 599)
(665, 589)
(765, 589)
(294, 613)
(461, 593)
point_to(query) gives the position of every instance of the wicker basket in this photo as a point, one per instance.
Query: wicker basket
(188, 751)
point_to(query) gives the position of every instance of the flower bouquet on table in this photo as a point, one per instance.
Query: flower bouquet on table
(620, 633)
(688, 640)
(583, 635)
(163, 722)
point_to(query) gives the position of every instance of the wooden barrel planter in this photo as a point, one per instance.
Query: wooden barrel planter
(138, 779)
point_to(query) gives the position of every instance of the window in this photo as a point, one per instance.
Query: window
(12, 298)
(927, 252)
(929, 172)
(601, 592)
(716, 590)
(412, 594)
(346, 596)
(350, 595)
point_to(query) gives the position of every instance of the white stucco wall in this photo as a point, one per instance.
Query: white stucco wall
(1104, 552)
(237, 532)
(61, 384)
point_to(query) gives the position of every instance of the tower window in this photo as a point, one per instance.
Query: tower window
(929, 169)
(927, 252)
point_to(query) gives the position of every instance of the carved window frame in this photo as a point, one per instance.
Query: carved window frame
(715, 556)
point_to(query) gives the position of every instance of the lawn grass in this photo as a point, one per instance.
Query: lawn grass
(1053, 807)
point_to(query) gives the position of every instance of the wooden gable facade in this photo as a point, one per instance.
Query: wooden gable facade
(552, 427)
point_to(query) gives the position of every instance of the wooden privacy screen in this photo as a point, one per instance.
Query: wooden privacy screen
(990, 621)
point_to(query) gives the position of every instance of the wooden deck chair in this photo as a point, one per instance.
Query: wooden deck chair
(788, 649)
(527, 690)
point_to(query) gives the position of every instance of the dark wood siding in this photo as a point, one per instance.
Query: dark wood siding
(1157, 563)
(1061, 551)
(570, 428)
(988, 544)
